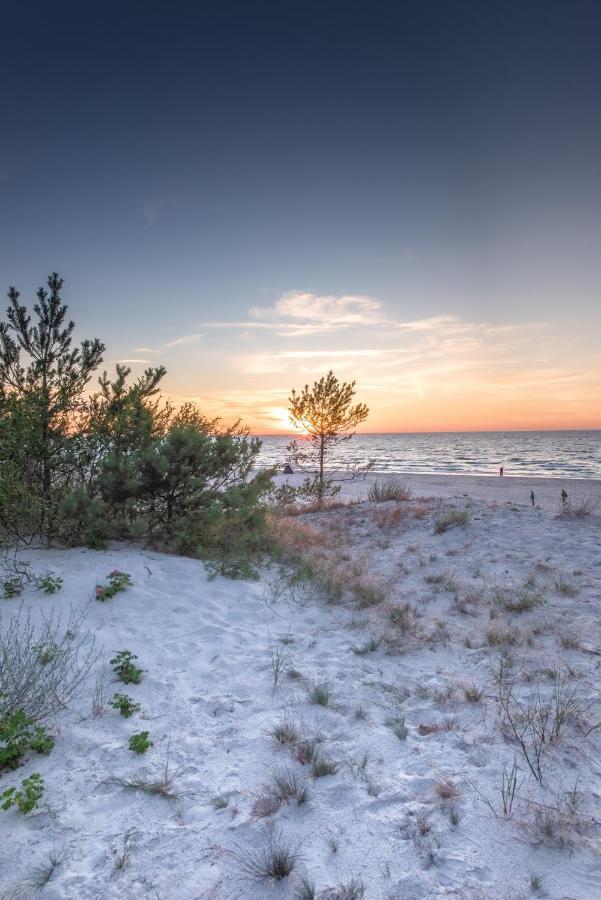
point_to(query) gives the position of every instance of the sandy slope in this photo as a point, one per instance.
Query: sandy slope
(208, 700)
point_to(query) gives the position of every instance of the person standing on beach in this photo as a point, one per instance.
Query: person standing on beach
(501, 472)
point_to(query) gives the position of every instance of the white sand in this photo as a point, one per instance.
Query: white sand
(208, 700)
(547, 491)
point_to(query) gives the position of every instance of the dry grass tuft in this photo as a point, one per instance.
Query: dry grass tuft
(389, 489)
(274, 861)
(576, 508)
(449, 724)
(450, 518)
(388, 519)
(496, 636)
(446, 789)
(297, 537)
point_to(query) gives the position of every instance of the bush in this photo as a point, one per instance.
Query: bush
(575, 507)
(124, 668)
(140, 743)
(40, 398)
(43, 669)
(27, 798)
(125, 705)
(49, 584)
(12, 587)
(190, 491)
(389, 489)
(117, 582)
(121, 463)
(18, 734)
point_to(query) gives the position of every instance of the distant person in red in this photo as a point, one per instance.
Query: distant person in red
(501, 471)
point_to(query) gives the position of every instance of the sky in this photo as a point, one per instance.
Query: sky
(253, 193)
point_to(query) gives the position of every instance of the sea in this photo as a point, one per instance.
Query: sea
(548, 454)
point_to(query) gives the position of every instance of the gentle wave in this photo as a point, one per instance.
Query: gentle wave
(550, 454)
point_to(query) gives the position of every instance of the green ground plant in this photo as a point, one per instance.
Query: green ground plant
(26, 798)
(124, 668)
(125, 705)
(49, 584)
(140, 743)
(18, 734)
(117, 582)
(12, 587)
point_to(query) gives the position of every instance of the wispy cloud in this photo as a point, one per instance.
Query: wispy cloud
(348, 309)
(170, 345)
(302, 314)
(186, 339)
(429, 372)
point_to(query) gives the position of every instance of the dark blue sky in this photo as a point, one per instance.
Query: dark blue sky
(182, 163)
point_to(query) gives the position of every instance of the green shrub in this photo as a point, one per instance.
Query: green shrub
(18, 734)
(117, 582)
(140, 743)
(119, 463)
(124, 668)
(40, 398)
(49, 584)
(125, 705)
(12, 587)
(27, 798)
(88, 518)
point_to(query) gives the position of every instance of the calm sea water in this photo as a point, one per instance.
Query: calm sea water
(552, 454)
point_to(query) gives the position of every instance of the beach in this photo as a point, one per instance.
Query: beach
(506, 489)
(359, 717)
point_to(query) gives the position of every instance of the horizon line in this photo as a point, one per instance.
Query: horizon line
(435, 431)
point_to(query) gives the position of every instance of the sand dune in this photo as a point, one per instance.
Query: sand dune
(407, 632)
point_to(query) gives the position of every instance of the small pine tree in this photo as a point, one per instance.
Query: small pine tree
(41, 394)
(326, 413)
(198, 491)
(121, 416)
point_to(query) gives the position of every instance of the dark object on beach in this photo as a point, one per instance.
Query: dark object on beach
(288, 469)
(564, 497)
(501, 471)
(532, 497)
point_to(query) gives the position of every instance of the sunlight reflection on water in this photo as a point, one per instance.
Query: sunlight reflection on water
(573, 454)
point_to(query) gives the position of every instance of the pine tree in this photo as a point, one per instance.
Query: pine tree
(48, 383)
(326, 413)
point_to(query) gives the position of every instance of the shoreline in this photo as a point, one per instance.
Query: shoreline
(506, 489)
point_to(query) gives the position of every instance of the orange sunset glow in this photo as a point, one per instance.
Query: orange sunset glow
(433, 374)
